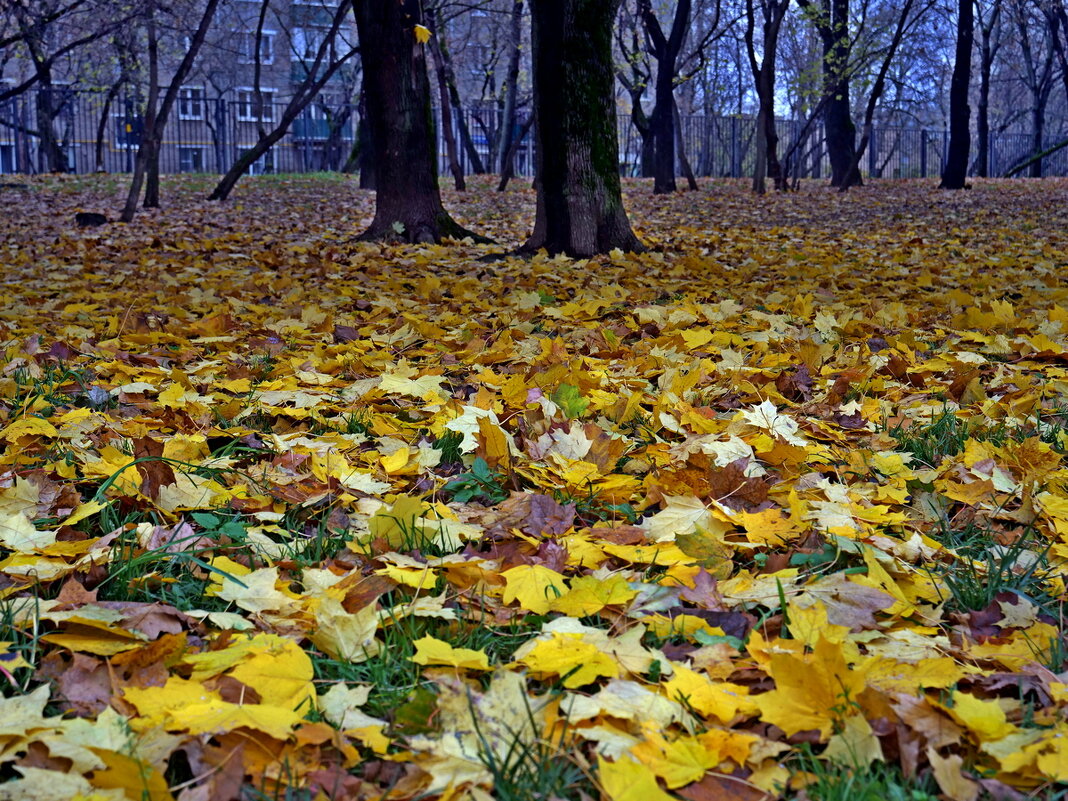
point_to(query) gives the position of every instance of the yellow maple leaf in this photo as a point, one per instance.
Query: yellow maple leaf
(29, 426)
(348, 636)
(568, 655)
(422, 34)
(589, 595)
(681, 761)
(536, 587)
(628, 780)
(722, 700)
(432, 651)
(812, 691)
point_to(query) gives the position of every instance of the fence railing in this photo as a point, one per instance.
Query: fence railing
(95, 133)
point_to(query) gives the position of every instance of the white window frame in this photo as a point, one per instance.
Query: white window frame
(267, 93)
(300, 35)
(247, 54)
(198, 101)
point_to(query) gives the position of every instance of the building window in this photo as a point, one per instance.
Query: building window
(305, 43)
(246, 47)
(190, 159)
(264, 165)
(7, 158)
(249, 110)
(191, 103)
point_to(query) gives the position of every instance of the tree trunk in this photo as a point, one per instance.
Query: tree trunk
(511, 86)
(903, 25)
(960, 139)
(580, 205)
(837, 116)
(988, 49)
(680, 146)
(148, 152)
(365, 143)
(767, 137)
(666, 49)
(468, 144)
(53, 157)
(1038, 132)
(102, 125)
(141, 162)
(446, 119)
(407, 200)
(509, 161)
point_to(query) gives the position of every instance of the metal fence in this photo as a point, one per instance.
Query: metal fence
(208, 135)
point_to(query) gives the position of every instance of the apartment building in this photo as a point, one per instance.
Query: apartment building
(235, 92)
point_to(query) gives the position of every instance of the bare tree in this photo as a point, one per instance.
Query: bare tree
(327, 61)
(146, 167)
(990, 39)
(772, 13)
(955, 173)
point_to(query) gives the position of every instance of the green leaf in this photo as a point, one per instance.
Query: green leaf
(569, 398)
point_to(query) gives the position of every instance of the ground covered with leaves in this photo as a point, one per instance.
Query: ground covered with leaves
(776, 509)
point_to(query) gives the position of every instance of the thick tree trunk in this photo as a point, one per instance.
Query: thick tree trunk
(53, 157)
(662, 123)
(982, 133)
(407, 199)
(837, 116)
(955, 174)
(841, 139)
(580, 205)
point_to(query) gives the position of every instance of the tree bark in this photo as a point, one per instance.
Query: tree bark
(511, 86)
(987, 51)
(446, 121)
(665, 49)
(902, 26)
(365, 143)
(580, 205)
(955, 174)
(767, 163)
(680, 146)
(509, 161)
(407, 199)
(149, 126)
(837, 116)
(102, 123)
(169, 99)
(468, 144)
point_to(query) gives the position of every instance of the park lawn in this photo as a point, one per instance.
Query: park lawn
(778, 508)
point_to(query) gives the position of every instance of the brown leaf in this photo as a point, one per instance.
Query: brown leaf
(717, 787)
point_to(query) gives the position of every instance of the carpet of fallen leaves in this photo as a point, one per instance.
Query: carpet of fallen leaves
(780, 505)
